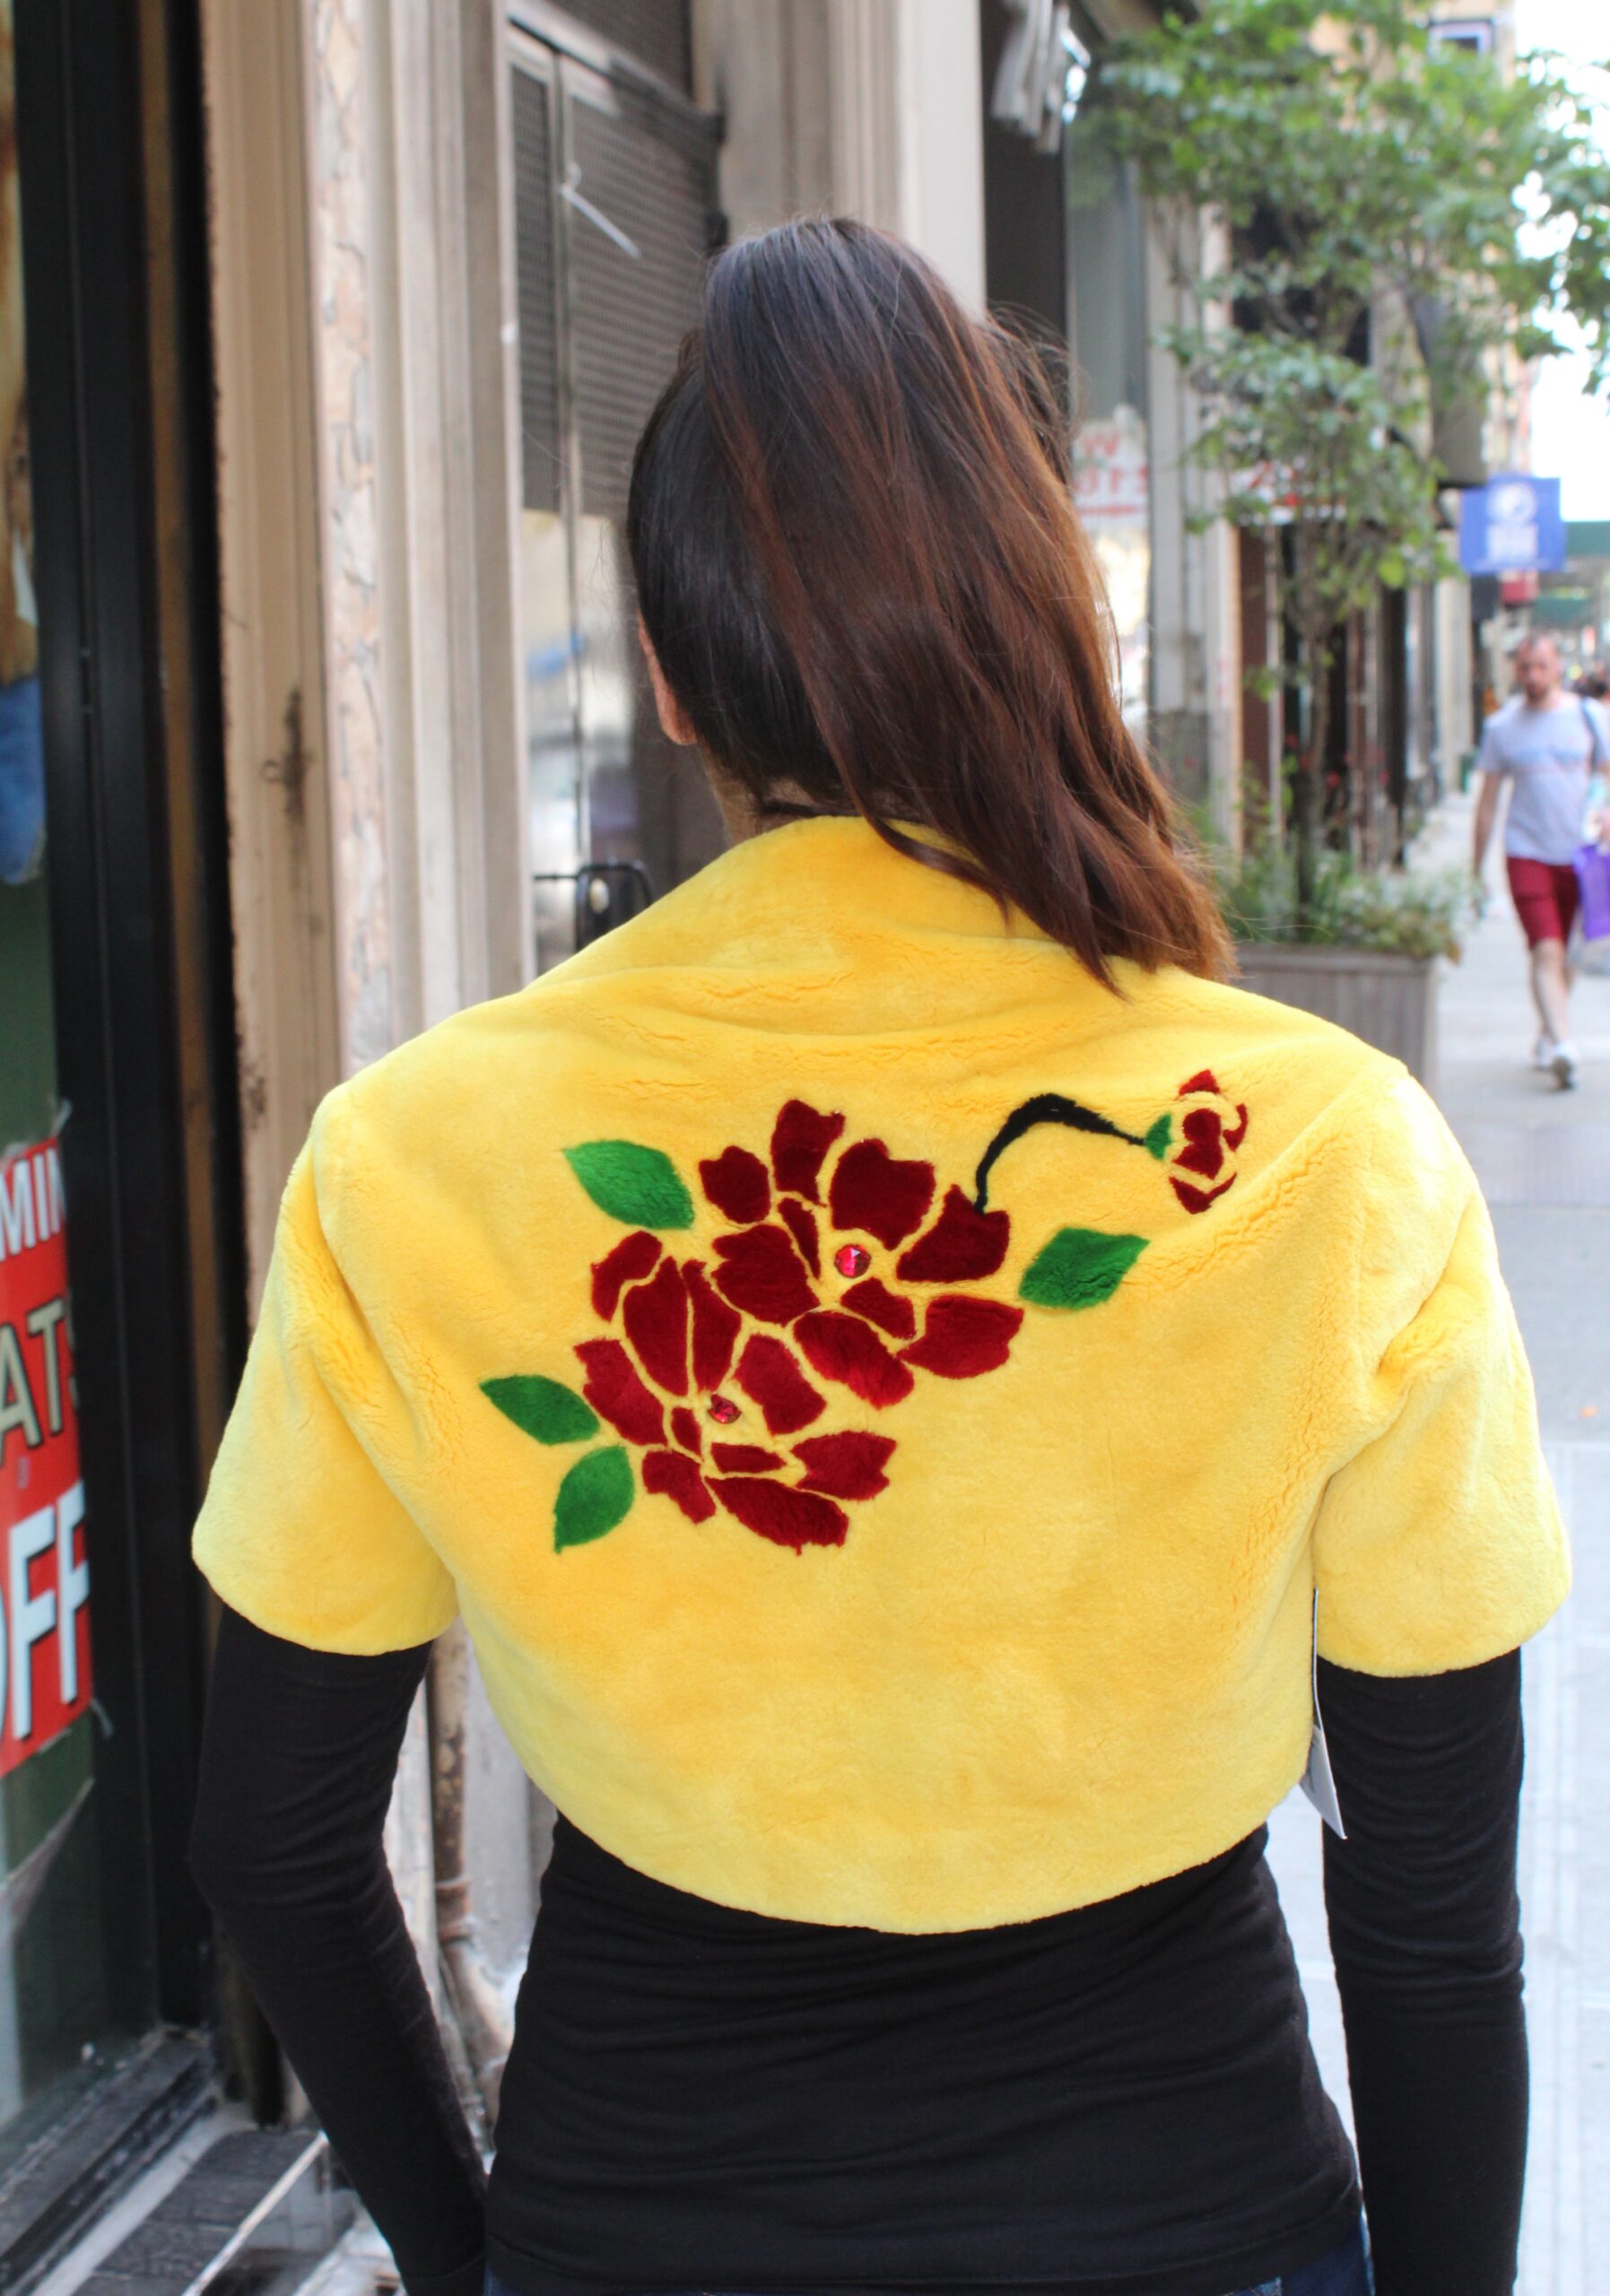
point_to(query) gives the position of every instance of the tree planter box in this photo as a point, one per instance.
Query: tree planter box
(1390, 1001)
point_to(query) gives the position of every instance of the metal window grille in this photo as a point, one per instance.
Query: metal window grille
(540, 443)
(657, 32)
(630, 309)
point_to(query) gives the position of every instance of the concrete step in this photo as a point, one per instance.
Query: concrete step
(256, 2214)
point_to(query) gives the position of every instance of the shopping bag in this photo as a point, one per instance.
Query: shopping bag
(1593, 879)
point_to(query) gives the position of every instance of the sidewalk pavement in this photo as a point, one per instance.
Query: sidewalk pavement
(1543, 1157)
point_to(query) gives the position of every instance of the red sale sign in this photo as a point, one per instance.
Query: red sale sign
(1111, 477)
(44, 1571)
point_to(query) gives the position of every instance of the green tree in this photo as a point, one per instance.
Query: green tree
(1360, 218)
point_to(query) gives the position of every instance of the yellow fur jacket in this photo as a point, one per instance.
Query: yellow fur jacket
(884, 1404)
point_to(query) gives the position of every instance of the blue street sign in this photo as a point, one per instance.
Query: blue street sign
(1513, 526)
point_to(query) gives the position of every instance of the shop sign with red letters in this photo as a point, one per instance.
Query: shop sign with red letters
(44, 1570)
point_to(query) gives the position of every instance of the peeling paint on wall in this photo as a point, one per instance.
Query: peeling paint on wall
(342, 240)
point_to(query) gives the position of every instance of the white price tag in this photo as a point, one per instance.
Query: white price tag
(1317, 1782)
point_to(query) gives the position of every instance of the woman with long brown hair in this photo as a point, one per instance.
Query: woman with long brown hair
(909, 1383)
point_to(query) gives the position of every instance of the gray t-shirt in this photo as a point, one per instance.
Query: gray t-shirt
(1548, 756)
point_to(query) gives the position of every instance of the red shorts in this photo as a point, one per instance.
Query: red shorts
(1546, 895)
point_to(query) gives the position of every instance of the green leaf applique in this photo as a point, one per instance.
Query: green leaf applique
(594, 1497)
(544, 1408)
(1156, 1141)
(1079, 1268)
(640, 1186)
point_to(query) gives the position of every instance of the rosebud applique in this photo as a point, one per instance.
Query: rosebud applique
(827, 1281)
(1212, 1128)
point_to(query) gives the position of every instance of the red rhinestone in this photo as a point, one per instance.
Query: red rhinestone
(850, 1259)
(724, 1410)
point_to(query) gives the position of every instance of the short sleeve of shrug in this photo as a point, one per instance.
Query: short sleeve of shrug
(300, 1531)
(1438, 1542)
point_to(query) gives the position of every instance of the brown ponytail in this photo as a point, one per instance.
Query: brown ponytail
(859, 562)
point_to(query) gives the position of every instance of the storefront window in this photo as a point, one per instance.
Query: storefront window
(53, 2004)
(614, 193)
(1105, 302)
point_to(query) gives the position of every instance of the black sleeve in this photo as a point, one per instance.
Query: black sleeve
(298, 1759)
(1424, 1928)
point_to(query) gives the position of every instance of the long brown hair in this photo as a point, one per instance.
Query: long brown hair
(859, 561)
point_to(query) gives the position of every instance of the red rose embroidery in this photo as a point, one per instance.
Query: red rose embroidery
(830, 1282)
(823, 1284)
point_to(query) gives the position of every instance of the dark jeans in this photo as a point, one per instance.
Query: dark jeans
(1345, 2272)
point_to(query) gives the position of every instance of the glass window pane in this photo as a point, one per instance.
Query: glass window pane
(612, 194)
(53, 1997)
(1106, 254)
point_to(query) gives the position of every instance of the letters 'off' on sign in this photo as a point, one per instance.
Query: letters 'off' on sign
(44, 1571)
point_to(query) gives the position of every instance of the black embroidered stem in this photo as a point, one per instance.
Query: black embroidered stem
(1044, 1108)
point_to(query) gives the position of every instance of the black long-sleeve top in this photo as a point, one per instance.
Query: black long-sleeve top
(698, 2096)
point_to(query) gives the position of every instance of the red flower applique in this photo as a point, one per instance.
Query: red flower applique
(1212, 1128)
(804, 1297)
(830, 1284)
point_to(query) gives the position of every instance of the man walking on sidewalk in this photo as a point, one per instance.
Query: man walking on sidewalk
(1546, 745)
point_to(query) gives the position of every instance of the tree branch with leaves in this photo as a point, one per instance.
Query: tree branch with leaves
(1393, 213)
